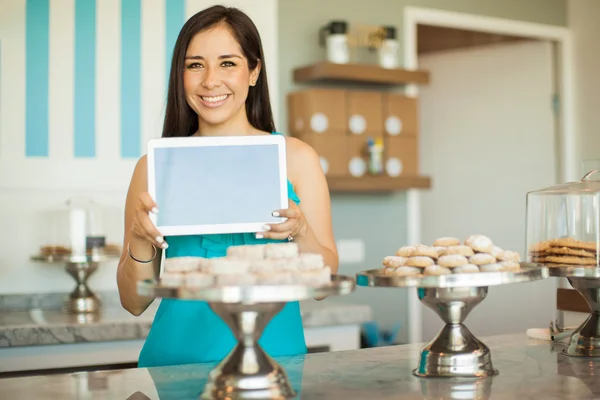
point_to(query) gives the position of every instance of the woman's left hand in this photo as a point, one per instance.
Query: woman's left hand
(294, 227)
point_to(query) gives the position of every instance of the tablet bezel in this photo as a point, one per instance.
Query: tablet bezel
(209, 141)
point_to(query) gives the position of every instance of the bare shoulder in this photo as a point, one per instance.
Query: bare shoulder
(140, 174)
(299, 152)
(302, 161)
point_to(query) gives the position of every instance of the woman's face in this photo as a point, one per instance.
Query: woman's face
(216, 79)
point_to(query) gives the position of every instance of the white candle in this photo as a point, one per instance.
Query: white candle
(77, 232)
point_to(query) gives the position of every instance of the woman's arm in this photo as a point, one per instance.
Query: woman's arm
(311, 187)
(129, 272)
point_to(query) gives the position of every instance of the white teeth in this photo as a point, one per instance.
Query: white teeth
(214, 99)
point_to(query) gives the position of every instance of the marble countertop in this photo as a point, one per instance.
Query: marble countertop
(40, 320)
(528, 369)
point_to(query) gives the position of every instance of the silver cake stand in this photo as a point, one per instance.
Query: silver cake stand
(248, 372)
(455, 351)
(81, 300)
(585, 340)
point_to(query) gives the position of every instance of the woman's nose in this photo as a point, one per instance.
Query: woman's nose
(211, 79)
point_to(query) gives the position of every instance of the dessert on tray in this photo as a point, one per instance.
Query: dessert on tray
(448, 255)
(246, 265)
(564, 252)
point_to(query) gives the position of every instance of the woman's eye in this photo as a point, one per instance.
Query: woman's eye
(227, 64)
(194, 65)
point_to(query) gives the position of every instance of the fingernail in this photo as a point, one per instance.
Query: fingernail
(259, 236)
(159, 239)
(165, 245)
(154, 210)
(267, 228)
(275, 214)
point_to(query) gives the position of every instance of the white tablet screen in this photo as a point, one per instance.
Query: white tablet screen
(215, 185)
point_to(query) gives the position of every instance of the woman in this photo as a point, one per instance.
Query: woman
(218, 86)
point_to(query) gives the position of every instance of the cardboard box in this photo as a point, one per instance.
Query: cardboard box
(331, 149)
(365, 116)
(320, 111)
(400, 115)
(401, 156)
(357, 156)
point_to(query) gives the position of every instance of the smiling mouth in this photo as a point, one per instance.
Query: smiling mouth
(214, 99)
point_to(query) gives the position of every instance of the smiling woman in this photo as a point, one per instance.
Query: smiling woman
(218, 87)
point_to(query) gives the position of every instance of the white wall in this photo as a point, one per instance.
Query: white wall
(29, 185)
(583, 20)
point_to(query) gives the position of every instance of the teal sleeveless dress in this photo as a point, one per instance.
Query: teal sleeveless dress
(189, 332)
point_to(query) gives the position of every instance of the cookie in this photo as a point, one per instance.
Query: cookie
(509, 266)
(479, 243)
(420, 261)
(452, 260)
(406, 271)
(437, 270)
(571, 260)
(482, 259)
(509, 255)
(567, 251)
(406, 251)
(281, 250)
(172, 279)
(466, 269)
(310, 261)
(388, 271)
(446, 241)
(441, 250)
(460, 249)
(198, 279)
(496, 251)
(539, 247)
(573, 243)
(394, 261)
(495, 267)
(425, 251)
(538, 260)
(247, 252)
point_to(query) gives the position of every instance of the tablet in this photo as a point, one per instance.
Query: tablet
(210, 185)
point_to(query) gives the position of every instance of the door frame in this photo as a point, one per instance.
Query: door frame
(568, 153)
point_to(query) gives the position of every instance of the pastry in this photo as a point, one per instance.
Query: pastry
(567, 251)
(425, 251)
(466, 269)
(459, 249)
(437, 270)
(495, 267)
(241, 279)
(172, 279)
(281, 250)
(482, 259)
(509, 266)
(571, 260)
(394, 261)
(509, 255)
(420, 261)
(452, 260)
(198, 279)
(406, 271)
(223, 265)
(573, 243)
(446, 242)
(247, 252)
(479, 243)
(310, 261)
(496, 251)
(182, 264)
(406, 251)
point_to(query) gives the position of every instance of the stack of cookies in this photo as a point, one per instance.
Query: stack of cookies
(246, 265)
(565, 252)
(448, 256)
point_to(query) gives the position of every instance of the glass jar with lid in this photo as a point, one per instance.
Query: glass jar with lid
(563, 223)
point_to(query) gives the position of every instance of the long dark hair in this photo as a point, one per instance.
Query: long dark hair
(180, 119)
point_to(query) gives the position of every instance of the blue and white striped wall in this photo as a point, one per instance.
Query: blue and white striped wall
(86, 79)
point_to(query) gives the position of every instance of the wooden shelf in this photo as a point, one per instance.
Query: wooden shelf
(363, 73)
(370, 184)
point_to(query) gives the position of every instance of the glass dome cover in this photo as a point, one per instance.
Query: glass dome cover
(563, 223)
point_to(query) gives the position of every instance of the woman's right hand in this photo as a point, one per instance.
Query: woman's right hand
(142, 227)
